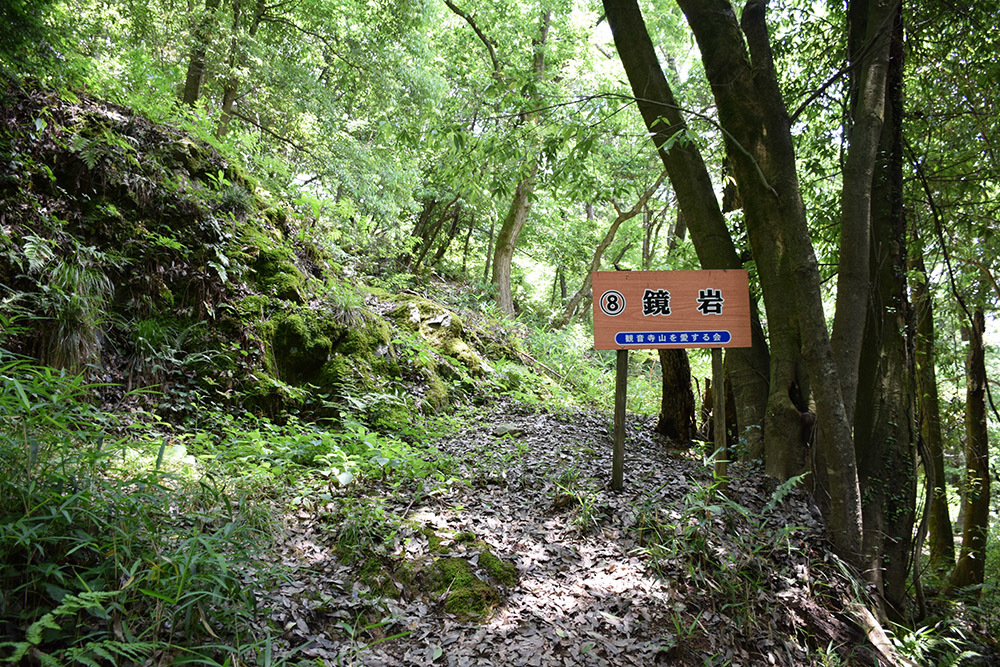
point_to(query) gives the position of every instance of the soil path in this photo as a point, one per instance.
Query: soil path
(536, 491)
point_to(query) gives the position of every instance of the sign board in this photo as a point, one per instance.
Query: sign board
(671, 309)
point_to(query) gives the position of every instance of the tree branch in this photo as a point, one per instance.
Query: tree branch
(312, 33)
(479, 33)
(274, 134)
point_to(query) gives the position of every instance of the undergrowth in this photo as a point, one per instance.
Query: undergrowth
(106, 553)
(120, 544)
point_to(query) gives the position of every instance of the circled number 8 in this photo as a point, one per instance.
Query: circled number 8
(612, 303)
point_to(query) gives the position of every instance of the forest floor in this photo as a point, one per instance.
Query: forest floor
(668, 571)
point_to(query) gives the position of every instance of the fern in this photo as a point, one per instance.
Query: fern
(91, 653)
(94, 654)
(34, 634)
(38, 252)
(783, 490)
(20, 650)
(89, 150)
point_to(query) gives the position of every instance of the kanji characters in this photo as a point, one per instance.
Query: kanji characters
(656, 302)
(710, 301)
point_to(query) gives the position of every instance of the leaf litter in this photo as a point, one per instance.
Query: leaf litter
(667, 571)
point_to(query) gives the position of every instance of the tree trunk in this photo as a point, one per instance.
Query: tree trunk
(510, 230)
(488, 264)
(970, 570)
(231, 87)
(200, 36)
(428, 231)
(869, 35)
(760, 149)
(883, 425)
(465, 250)
(520, 206)
(696, 198)
(939, 533)
(677, 411)
(677, 235)
(449, 236)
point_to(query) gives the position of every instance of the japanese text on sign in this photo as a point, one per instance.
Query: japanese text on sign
(663, 309)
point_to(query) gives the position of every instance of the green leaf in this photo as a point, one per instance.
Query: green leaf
(158, 596)
(20, 392)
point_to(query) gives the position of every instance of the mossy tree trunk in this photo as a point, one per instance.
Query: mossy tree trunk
(520, 206)
(884, 420)
(740, 68)
(510, 230)
(870, 24)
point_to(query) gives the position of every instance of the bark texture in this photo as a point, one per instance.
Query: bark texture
(677, 411)
(970, 569)
(940, 537)
(869, 37)
(510, 230)
(760, 150)
(884, 419)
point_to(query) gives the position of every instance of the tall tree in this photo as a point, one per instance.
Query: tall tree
(939, 533)
(740, 68)
(884, 420)
(953, 145)
(760, 149)
(201, 35)
(870, 24)
(971, 567)
(234, 62)
(520, 205)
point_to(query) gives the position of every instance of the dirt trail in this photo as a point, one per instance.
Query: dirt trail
(538, 495)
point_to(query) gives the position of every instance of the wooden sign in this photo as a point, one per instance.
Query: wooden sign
(671, 309)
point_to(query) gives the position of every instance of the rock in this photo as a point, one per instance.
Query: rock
(512, 430)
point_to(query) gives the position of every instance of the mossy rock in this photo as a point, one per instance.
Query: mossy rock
(367, 339)
(470, 592)
(381, 578)
(275, 272)
(498, 569)
(466, 595)
(191, 156)
(300, 350)
(277, 216)
(314, 348)
(442, 328)
(266, 395)
(272, 264)
(437, 392)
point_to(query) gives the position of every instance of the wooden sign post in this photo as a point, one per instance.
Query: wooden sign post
(670, 309)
